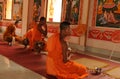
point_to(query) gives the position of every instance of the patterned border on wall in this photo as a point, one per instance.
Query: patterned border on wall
(100, 34)
(6, 23)
(76, 30)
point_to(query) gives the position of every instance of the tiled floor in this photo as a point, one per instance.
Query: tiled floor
(11, 70)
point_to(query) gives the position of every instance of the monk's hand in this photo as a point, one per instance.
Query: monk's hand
(71, 50)
(43, 28)
(69, 53)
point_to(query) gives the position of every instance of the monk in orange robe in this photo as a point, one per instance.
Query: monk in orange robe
(37, 33)
(9, 34)
(58, 63)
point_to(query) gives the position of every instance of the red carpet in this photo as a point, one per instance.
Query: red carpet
(24, 57)
(36, 63)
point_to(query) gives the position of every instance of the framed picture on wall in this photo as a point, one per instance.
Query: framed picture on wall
(108, 13)
(72, 11)
(1, 10)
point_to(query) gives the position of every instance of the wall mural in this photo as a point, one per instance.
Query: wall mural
(72, 11)
(76, 29)
(110, 21)
(36, 10)
(17, 10)
(108, 13)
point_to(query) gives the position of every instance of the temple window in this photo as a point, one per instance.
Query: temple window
(54, 8)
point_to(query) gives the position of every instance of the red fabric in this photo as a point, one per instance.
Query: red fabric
(33, 35)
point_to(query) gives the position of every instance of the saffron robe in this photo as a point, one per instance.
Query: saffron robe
(10, 32)
(33, 35)
(28, 35)
(69, 70)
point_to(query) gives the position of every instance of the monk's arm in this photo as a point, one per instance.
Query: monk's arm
(64, 52)
(43, 30)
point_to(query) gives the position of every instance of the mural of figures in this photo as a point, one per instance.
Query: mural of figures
(36, 10)
(1, 7)
(72, 11)
(17, 10)
(108, 13)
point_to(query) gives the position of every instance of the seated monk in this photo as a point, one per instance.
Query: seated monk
(37, 33)
(58, 63)
(9, 34)
(42, 26)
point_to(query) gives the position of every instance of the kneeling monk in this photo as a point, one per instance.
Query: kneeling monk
(57, 58)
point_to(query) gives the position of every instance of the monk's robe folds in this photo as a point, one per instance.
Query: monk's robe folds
(34, 35)
(69, 70)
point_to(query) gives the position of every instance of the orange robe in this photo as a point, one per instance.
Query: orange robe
(10, 32)
(33, 35)
(69, 70)
(28, 35)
